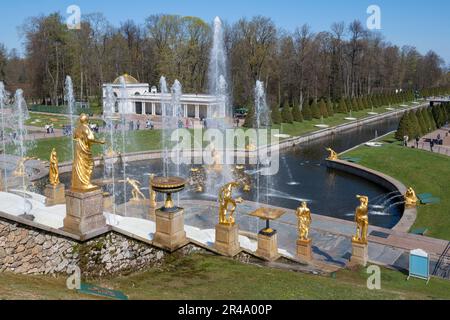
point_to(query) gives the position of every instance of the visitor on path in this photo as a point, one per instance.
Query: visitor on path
(405, 141)
(52, 128)
(47, 128)
(431, 145)
(417, 142)
(138, 125)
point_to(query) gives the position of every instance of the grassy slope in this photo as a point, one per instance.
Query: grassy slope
(426, 172)
(194, 277)
(298, 129)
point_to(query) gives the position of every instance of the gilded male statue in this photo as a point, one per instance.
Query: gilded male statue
(362, 220)
(333, 155)
(304, 221)
(83, 164)
(226, 213)
(410, 197)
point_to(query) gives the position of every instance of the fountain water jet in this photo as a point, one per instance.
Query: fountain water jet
(20, 133)
(109, 149)
(69, 98)
(3, 95)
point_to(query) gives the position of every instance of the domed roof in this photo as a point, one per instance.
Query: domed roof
(128, 79)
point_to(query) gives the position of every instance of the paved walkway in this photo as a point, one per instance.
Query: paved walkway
(424, 143)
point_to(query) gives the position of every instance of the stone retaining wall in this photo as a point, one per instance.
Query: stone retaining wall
(28, 250)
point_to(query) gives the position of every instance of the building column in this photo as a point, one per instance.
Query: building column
(153, 109)
(185, 110)
(197, 111)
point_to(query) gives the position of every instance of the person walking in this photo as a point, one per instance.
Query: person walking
(417, 142)
(431, 145)
(138, 125)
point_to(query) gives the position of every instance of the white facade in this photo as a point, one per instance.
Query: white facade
(141, 100)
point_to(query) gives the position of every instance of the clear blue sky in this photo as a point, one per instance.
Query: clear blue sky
(420, 23)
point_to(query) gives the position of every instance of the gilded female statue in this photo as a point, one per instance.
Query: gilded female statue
(362, 220)
(83, 164)
(54, 170)
(304, 221)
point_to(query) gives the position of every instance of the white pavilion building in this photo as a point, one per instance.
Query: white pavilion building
(143, 100)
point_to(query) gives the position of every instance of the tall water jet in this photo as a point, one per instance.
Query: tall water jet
(3, 95)
(177, 119)
(123, 106)
(262, 116)
(220, 115)
(165, 123)
(20, 115)
(109, 149)
(69, 98)
(218, 72)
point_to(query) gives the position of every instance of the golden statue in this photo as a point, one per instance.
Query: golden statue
(226, 214)
(54, 170)
(217, 166)
(83, 164)
(333, 155)
(136, 193)
(410, 197)
(20, 170)
(153, 202)
(304, 221)
(362, 220)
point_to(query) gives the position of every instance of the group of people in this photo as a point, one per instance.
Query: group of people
(49, 128)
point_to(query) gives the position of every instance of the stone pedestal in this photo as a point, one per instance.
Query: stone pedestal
(54, 195)
(360, 254)
(170, 233)
(227, 240)
(84, 212)
(268, 246)
(304, 249)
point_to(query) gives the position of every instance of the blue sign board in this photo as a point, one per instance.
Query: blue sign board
(419, 264)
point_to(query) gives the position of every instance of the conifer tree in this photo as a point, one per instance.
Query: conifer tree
(306, 111)
(323, 108)
(297, 114)
(286, 114)
(330, 108)
(276, 114)
(342, 107)
(315, 110)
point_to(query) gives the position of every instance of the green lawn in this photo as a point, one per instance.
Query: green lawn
(301, 128)
(216, 278)
(40, 120)
(426, 172)
(135, 141)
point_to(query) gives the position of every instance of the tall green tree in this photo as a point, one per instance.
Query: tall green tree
(286, 114)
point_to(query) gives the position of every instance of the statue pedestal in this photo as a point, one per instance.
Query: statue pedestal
(84, 212)
(360, 253)
(54, 195)
(268, 246)
(170, 233)
(227, 240)
(304, 249)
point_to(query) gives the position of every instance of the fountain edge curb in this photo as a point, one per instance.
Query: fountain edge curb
(409, 214)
